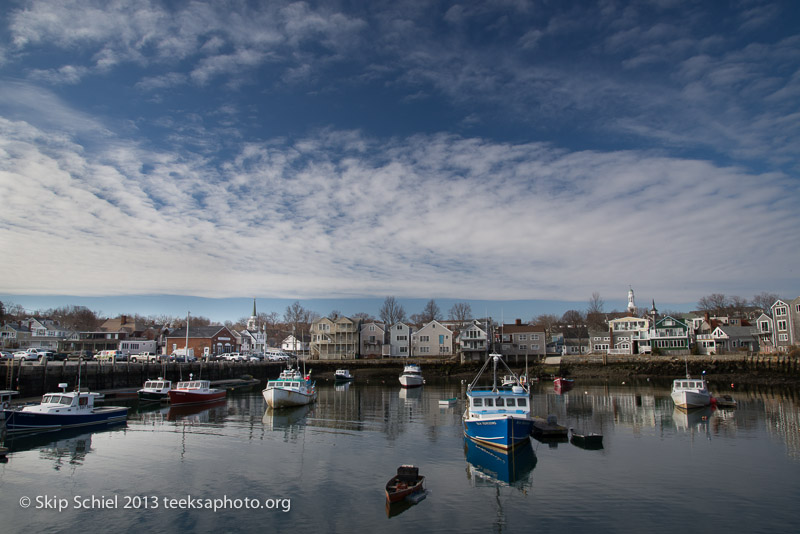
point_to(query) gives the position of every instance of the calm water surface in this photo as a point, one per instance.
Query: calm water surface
(323, 468)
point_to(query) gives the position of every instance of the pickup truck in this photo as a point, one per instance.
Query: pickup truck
(146, 357)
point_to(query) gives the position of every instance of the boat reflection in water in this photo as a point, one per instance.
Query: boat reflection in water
(692, 419)
(509, 468)
(199, 413)
(64, 447)
(275, 419)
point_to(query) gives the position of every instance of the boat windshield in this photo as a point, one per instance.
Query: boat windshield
(57, 399)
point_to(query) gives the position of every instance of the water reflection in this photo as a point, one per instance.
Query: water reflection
(486, 465)
(285, 417)
(199, 413)
(64, 448)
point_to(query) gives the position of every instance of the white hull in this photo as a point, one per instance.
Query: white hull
(411, 381)
(284, 398)
(690, 399)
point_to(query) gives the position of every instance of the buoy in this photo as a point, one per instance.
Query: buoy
(731, 385)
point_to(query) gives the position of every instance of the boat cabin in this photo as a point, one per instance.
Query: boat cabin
(688, 384)
(194, 384)
(499, 401)
(158, 384)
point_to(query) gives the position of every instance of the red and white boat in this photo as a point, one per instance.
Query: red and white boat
(195, 392)
(562, 385)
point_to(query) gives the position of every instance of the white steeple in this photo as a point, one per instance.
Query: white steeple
(631, 303)
(251, 323)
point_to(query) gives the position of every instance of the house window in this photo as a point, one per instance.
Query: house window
(780, 311)
(522, 337)
(782, 325)
(534, 337)
(783, 337)
(535, 347)
(424, 339)
(765, 326)
(523, 347)
(441, 339)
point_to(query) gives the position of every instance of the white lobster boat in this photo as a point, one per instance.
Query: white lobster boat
(412, 376)
(290, 389)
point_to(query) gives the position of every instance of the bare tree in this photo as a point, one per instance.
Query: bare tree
(715, 302)
(595, 317)
(461, 312)
(548, 322)
(431, 312)
(392, 312)
(364, 317)
(573, 318)
(764, 301)
(737, 305)
(295, 313)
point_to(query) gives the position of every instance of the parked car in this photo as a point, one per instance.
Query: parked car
(182, 359)
(81, 355)
(256, 357)
(5, 355)
(236, 357)
(60, 356)
(147, 357)
(278, 356)
(27, 354)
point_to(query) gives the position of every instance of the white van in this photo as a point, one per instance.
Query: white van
(110, 355)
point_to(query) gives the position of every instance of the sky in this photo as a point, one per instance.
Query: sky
(199, 153)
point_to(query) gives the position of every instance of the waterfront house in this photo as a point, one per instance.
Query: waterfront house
(333, 339)
(471, 342)
(205, 341)
(764, 330)
(519, 340)
(399, 340)
(735, 339)
(298, 346)
(671, 336)
(785, 323)
(433, 339)
(15, 336)
(629, 335)
(372, 340)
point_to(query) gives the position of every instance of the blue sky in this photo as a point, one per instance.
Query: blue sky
(480, 151)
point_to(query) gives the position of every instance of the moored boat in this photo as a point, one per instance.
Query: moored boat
(562, 385)
(65, 409)
(497, 416)
(406, 482)
(342, 375)
(290, 389)
(195, 392)
(411, 376)
(590, 441)
(690, 393)
(155, 390)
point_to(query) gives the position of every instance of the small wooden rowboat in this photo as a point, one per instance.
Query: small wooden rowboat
(406, 482)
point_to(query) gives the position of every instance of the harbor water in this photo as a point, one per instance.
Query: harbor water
(238, 466)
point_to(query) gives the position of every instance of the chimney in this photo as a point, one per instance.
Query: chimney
(518, 322)
(123, 319)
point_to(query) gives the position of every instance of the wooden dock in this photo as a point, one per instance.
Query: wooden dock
(548, 428)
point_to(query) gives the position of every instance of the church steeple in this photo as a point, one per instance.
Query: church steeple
(631, 303)
(251, 323)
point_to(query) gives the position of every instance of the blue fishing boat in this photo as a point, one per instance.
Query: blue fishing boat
(67, 409)
(497, 416)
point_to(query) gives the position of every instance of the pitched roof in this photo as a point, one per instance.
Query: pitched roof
(198, 331)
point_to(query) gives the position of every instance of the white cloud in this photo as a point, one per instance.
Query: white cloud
(341, 214)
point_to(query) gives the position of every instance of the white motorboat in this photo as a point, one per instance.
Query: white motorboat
(411, 376)
(290, 389)
(690, 393)
(155, 390)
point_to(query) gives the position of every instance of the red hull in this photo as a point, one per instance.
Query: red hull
(178, 398)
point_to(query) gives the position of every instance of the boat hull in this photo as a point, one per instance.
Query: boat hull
(411, 381)
(284, 398)
(690, 399)
(180, 398)
(501, 432)
(20, 421)
(153, 396)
